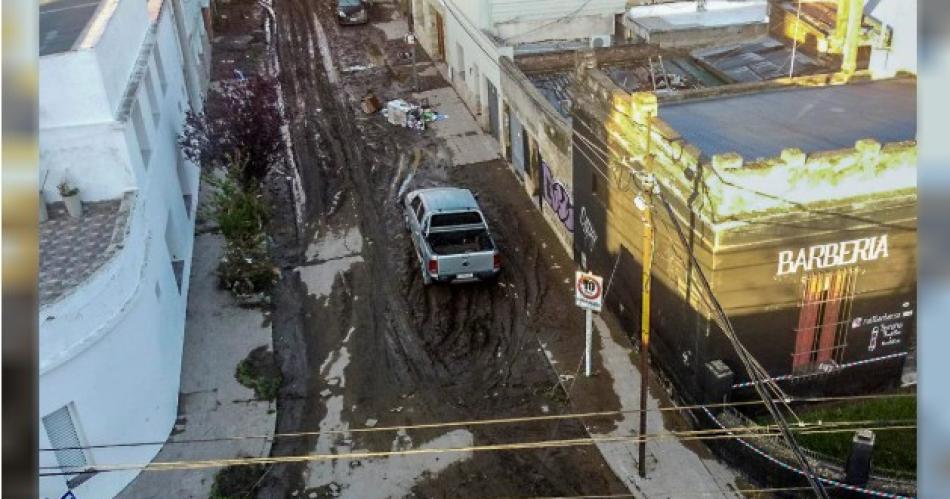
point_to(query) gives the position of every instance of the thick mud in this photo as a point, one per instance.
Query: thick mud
(377, 347)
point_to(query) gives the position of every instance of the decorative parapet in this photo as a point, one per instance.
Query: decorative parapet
(869, 169)
(735, 188)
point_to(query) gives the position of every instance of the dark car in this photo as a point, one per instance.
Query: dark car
(352, 12)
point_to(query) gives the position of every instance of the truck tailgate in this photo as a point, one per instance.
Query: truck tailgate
(466, 263)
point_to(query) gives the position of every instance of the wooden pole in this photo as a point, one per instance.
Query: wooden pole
(645, 330)
(648, 240)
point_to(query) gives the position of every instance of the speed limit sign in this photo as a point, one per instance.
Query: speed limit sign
(589, 291)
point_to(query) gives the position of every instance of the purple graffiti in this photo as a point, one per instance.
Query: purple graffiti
(557, 197)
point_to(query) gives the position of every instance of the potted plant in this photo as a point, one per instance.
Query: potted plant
(70, 194)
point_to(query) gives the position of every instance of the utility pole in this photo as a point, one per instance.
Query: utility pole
(644, 201)
(412, 41)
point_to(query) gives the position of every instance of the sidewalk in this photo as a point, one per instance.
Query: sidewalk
(211, 403)
(673, 468)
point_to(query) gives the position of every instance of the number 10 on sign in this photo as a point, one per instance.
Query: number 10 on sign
(589, 295)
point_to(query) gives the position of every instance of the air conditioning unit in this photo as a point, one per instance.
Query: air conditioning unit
(600, 41)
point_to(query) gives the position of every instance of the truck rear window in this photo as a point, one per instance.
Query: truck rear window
(460, 241)
(450, 219)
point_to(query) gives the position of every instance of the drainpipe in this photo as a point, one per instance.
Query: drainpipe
(194, 96)
(849, 49)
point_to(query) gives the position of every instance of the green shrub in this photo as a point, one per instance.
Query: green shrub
(235, 482)
(242, 215)
(893, 449)
(260, 373)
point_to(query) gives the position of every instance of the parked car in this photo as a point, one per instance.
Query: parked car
(352, 11)
(450, 236)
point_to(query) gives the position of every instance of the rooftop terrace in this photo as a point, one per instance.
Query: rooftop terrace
(761, 124)
(72, 249)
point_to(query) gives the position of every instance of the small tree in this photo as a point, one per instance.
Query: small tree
(245, 268)
(240, 118)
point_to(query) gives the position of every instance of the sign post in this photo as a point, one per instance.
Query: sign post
(589, 295)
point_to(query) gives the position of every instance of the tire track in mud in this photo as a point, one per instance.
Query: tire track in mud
(465, 352)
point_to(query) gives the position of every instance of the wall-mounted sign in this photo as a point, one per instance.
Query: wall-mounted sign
(830, 255)
(589, 291)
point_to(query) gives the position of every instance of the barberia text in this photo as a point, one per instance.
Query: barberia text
(831, 255)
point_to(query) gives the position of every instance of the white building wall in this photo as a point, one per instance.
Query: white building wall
(111, 347)
(82, 101)
(524, 21)
(478, 64)
(118, 47)
(901, 16)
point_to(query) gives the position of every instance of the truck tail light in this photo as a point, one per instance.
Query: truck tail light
(497, 264)
(433, 266)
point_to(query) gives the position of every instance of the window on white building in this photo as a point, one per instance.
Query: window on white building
(141, 135)
(160, 69)
(152, 100)
(63, 436)
(461, 60)
(177, 263)
(184, 182)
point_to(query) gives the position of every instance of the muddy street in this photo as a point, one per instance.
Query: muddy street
(361, 341)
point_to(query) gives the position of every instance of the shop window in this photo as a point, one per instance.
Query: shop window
(826, 300)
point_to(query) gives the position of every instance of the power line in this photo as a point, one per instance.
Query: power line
(477, 422)
(697, 435)
(763, 383)
(754, 369)
(682, 493)
(550, 23)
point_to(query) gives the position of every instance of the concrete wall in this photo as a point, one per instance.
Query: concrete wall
(472, 59)
(693, 38)
(111, 347)
(551, 132)
(735, 234)
(901, 17)
(119, 47)
(525, 21)
(83, 101)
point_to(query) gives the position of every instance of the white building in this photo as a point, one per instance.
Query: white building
(116, 78)
(900, 17)
(469, 37)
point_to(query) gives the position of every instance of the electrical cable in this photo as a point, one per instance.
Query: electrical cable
(692, 435)
(550, 23)
(479, 422)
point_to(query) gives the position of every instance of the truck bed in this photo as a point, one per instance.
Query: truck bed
(460, 242)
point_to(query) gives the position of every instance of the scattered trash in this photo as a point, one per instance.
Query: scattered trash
(326, 393)
(401, 113)
(370, 104)
(371, 422)
(396, 409)
(545, 409)
(333, 381)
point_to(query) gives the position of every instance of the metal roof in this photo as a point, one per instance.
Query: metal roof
(448, 198)
(760, 125)
(62, 22)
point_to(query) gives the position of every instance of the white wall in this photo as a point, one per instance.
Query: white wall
(524, 21)
(82, 101)
(112, 346)
(118, 48)
(480, 59)
(901, 16)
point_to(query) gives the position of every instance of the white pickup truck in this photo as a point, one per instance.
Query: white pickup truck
(450, 236)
